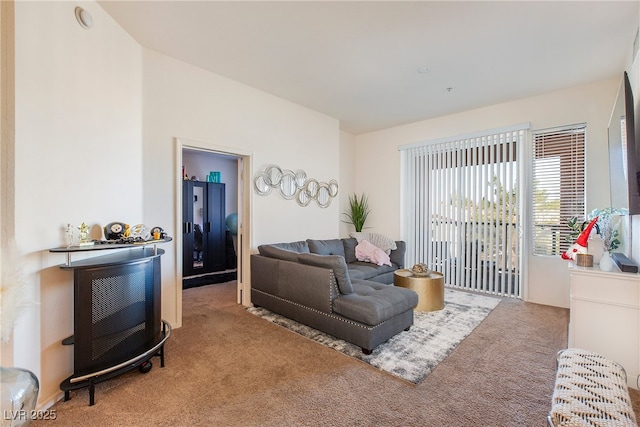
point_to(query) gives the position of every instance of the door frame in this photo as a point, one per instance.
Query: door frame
(244, 215)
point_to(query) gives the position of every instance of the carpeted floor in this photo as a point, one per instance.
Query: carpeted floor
(226, 367)
(413, 354)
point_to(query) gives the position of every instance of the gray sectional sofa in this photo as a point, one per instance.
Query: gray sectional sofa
(320, 283)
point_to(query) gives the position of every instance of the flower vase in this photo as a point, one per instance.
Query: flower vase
(606, 263)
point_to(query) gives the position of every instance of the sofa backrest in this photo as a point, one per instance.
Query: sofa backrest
(326, 247)
(349, 245)
(298, 247)
(397, 256)
(319, 253)
(293, 281)
(286, 251)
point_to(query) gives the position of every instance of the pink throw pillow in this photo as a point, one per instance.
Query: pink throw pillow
(366, 251)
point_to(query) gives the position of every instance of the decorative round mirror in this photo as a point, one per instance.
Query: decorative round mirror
(260, 184)
(273, 175)
(333, 188)
(323, 198)
(301, 178)
(311, 188)
(303, 198)
(288, 186)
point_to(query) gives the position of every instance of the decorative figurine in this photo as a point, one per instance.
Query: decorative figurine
(420, 270)
(69, 235)
(84, 234)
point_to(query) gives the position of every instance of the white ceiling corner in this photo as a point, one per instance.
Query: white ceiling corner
(358, 61)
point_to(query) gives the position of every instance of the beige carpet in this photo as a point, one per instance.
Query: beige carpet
(226, 367)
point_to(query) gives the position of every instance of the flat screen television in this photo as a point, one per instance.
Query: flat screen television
(624, 163)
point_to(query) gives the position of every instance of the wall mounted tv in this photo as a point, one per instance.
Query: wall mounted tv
(624, 163)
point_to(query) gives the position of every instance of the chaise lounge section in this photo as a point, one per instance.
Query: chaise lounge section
(311, 282)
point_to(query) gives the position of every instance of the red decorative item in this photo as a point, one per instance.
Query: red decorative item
(580, 246)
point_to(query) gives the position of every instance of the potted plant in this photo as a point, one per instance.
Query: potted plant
(358, 211)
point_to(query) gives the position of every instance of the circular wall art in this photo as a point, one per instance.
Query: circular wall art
(295, 185)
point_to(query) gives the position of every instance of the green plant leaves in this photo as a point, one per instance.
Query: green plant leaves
(358, 211)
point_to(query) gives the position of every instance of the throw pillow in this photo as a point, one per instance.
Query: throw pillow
(272, 251)
(368, 252)
(385, 243)
(299, 246)
(350, 249)
(334, 262)
(326, 247)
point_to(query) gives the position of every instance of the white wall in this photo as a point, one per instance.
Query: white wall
(78, 159)
(378, 162)
(347, 178)
(96, 122)
(183, 101)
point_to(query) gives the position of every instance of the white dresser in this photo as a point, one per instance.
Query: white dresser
(605, 316)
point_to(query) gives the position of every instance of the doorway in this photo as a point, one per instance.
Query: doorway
(234, 167)
(209, 214)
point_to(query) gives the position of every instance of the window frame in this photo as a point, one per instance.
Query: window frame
(572, 152)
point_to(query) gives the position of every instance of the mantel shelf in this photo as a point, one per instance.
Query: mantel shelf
(124, 257)
(117, 258)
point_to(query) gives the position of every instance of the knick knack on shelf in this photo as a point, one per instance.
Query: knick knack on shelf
(69, 235)
(606, 263)
(84, 235)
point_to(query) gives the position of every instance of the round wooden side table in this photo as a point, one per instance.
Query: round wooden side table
(430, 289)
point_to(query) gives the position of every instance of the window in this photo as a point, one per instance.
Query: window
(461, 211)
(558, 186)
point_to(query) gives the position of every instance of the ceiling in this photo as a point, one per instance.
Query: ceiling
(359, 61)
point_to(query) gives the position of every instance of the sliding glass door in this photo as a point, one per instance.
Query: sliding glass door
(462, 209)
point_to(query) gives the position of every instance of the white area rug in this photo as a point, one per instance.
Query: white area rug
(413, 354)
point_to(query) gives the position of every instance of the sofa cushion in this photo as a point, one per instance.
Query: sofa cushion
(334, 262)
(372, 303)
(326, 247)
(349, 245)
(366, 270)
(273, 251)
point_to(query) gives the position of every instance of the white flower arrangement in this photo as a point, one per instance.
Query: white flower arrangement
(607, 225)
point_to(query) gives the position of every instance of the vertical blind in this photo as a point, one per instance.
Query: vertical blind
(461, 209)
(558, 186)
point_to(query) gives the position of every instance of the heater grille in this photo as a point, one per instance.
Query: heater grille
(116, 314)
(105, 302)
